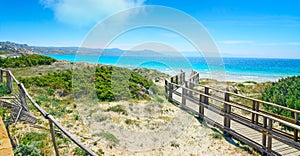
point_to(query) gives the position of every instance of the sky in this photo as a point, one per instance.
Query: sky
(256, 28)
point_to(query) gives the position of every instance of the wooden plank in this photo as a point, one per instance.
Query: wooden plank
(296, 130)
(53, 138)
(9, 82)
(22, 97)
(270, 125)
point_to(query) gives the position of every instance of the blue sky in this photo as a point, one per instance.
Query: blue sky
(255, 28)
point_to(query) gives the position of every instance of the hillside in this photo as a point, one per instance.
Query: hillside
(140, 123)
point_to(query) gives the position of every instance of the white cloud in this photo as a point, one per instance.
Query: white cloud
(87, 12)
(236, 42)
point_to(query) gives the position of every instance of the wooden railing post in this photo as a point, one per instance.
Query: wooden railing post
(166, 88)
(270, 125)
(206, 91)
(264, 136)
(296, 116)
(53, 137)
(191, 86)
(255, 107)
(227, 110)
(9, 81)
(201, 107)
(172, 79)
(253, 114)
(170, 92)
(1, 76)
(183, 77)
(183, 98)
(22, 97)
(176, 79)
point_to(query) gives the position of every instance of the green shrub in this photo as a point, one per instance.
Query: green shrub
(128, 121)
(80, 152)
(217, 135)
(285, 92)
(26, 61)
(27, 150)
(118, 108)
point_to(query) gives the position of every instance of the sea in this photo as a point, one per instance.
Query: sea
(225, 69)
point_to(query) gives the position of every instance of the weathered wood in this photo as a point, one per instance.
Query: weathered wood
(53, 138)
(201, 107)
(253, 114)
(206, 91)
(170, 91)
(256, 109)
(1, 76)
(183, 98)
(227, 110)
(22, 97)
(264, 136)
(9, 82)
(269, 135)
(297, 123)
(166, 87)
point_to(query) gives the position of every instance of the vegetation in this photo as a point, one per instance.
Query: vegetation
(29, 150)
(110, 83)
(109, 137)
(113, 83)
(118, 108)
(285, 92)
(26, 61)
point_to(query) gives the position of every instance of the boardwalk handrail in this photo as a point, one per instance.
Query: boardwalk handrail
(250, 98)
(46, 115)
(242, 107)
(223, 106)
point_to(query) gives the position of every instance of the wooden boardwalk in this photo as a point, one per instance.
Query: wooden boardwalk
(250, 125)
(5, 145)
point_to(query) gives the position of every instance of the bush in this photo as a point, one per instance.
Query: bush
(80, 152)
(26, 61)
(285, 92)
(28, 150)
(118, 108)
(217, 135)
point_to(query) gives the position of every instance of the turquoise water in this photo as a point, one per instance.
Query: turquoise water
(237, 69)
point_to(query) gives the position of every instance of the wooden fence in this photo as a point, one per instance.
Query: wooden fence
(24, 96)
(237, 108)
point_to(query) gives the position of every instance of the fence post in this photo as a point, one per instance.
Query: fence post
(191, 87)
(253, 114)
(269, 135)
(264, 136)
(206, 91)
(297, 123)
(1, 76)
(255, 107)
(201, 107)
(53, 138)
(227, 110)
(172, 79)
(183, 77)
(22, 97)
(170, 92)
(9, 82)
(183, 98)
(176, 79)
